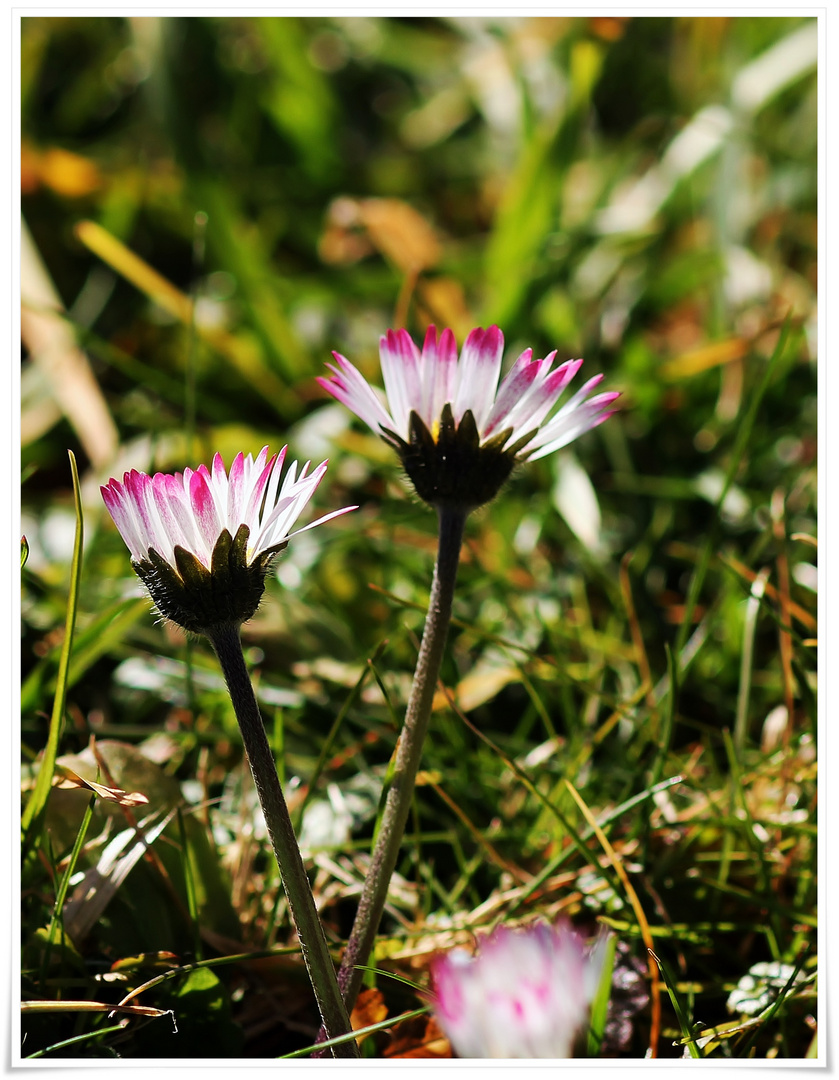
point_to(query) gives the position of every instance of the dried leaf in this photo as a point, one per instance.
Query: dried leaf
(100, 884)
(369, 1009)
(156, 961)
(391, 226)
(482, 684)
(419, 1037)
(68, 174)
(400, 233)
(123, 798)
(52, 347)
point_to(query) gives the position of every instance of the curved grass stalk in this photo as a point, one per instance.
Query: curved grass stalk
(35, 807)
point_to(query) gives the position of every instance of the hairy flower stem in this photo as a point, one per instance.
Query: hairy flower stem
(408, 755)
(228, 647)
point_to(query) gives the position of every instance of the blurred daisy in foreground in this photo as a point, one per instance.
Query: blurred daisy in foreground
(525, 994)
(457, 431)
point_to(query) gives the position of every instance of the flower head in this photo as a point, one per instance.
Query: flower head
(526, 994)
(457, 431)
(203, 541)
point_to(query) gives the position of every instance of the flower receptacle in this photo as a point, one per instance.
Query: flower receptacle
(198, 599)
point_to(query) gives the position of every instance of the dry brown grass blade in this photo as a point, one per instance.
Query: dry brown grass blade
(685, 551)
(803, 616)
(708, 356)
(479, 837)
(89, 1006)
(159, 289)
(403, 300)
(48, 337)
(134, 269)
(644, 926)
(785, 638)
(714, 354)
(619, 714)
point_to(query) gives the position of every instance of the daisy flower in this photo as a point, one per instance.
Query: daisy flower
(202, 541)
(458, 432)
(526, 994)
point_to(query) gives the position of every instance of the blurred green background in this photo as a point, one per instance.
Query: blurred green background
(637, 191)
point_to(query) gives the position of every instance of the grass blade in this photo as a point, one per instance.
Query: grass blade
(637, 907)
(600, 1005)
(85, 1037)
(64, 885)
(358, 1033)
(743, 435)
(669, 982)
(741, 723)
(38, 800)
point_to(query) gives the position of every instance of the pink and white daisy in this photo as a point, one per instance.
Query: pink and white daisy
(525, 994)
(450, 420)
(204, 539)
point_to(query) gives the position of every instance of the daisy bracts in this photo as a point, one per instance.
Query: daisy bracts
(457, 431)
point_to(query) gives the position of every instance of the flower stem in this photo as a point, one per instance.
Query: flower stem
(228, 647)
(408, 755)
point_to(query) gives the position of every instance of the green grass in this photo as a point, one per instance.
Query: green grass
(635, 616)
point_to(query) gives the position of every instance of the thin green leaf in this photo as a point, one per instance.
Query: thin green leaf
(64, 884)
(189, 885)
(744, 433)
(38, 800)
(555, 863)
(329, 741)
(600, 1005)
(393, 976)
(358, 1033)
(670, 983)
(666, 734)
(96, 639)
(85, 1037)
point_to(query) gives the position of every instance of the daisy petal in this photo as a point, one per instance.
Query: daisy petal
(351, 388)
(203, 507)
(480, 366)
